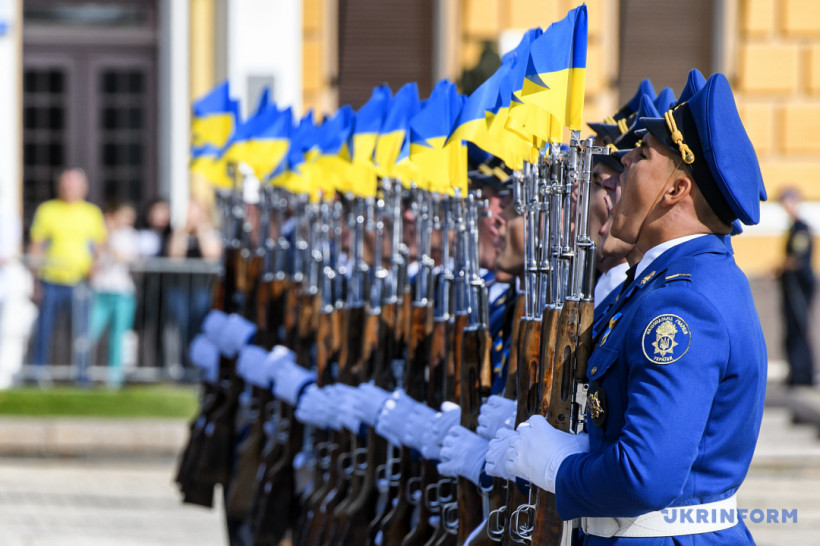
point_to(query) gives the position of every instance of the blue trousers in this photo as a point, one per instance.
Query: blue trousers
(74, 300)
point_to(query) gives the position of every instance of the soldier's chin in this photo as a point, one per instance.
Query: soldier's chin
(620, 230)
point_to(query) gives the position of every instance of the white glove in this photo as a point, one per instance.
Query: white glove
(213, 324)
(278, 356)
(537, 451)
(235, 334)
(310, 410)
(447, 418)
(497, 454)
(345, 408)
(369, 402)
(393, 417)
(290, 380)
(493, 414)
(419, 421)
(205, 355)
(251, 366)
(463, 454)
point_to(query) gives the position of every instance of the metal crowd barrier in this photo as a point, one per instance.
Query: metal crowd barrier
(172, 297)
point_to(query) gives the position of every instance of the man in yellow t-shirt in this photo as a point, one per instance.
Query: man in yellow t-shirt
(65, 235)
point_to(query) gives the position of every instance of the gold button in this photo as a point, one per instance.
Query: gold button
(594, 369)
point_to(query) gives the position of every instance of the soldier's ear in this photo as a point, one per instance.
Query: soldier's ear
(681, 187)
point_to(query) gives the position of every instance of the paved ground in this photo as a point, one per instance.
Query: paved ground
(785, 475)
(98, 502)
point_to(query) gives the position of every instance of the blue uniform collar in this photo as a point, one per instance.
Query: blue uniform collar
(708, 244)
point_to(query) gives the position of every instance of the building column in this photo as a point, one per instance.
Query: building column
(11, 130)
(174, 106)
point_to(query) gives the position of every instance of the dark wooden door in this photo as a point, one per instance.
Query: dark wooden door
(384, 41)
(89, 99)
(662, 41)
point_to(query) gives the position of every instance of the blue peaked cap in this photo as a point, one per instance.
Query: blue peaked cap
(646, 109)
(665, 100)
(628, 140)
(725, 166)
(607, 129)
(631, 107)
(694, 83)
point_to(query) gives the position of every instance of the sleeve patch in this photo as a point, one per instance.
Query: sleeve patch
(666, 339)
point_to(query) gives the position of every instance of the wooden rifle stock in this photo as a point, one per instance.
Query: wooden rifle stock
(270, 309)
(454, 336)
(349, 356)
(292, 310)
(475, 356)
(549, 529)
(248, 453)
(527, 402)
(275, 512)
(248, 285)
(193, 486)
(224, 290)
(307, 326)
(328, 345)
(498, 495)
(380, 346)
(586, 344)
(397, 522)
(423, 530)
(341, 514)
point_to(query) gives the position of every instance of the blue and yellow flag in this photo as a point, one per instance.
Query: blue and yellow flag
(473, 123)
(288, 174)
(270, 142)
(394, 131)
(515, 142)
(525, 119)
(442, 165)
(244, 145)
(214, 118)
(206, 162)
(362, 142)
(556, 70)
(329, 170)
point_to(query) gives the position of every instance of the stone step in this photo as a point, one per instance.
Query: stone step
(91, 436)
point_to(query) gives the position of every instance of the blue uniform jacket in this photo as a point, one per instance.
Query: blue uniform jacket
(602, 310)
(682, 366)
(499, 301)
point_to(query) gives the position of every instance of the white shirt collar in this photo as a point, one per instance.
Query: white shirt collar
(653, 253)
(609, 281)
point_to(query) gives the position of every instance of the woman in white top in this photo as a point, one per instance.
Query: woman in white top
(114, 300)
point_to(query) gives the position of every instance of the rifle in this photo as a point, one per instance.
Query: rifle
(273, 510)
(496, 524)
(456, 323)
(573, 344)
(270, 301)
(210, 450)
(396, 524)
(251, 281)
(427, 506)
(328, 345)
(527, 203)
(350, 363)
(197, 488)
(475, 359)
(381, 341)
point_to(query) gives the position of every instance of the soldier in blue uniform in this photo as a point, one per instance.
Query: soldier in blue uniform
(611, 258)
(491, 177)
(797, 291)
(677, 378)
